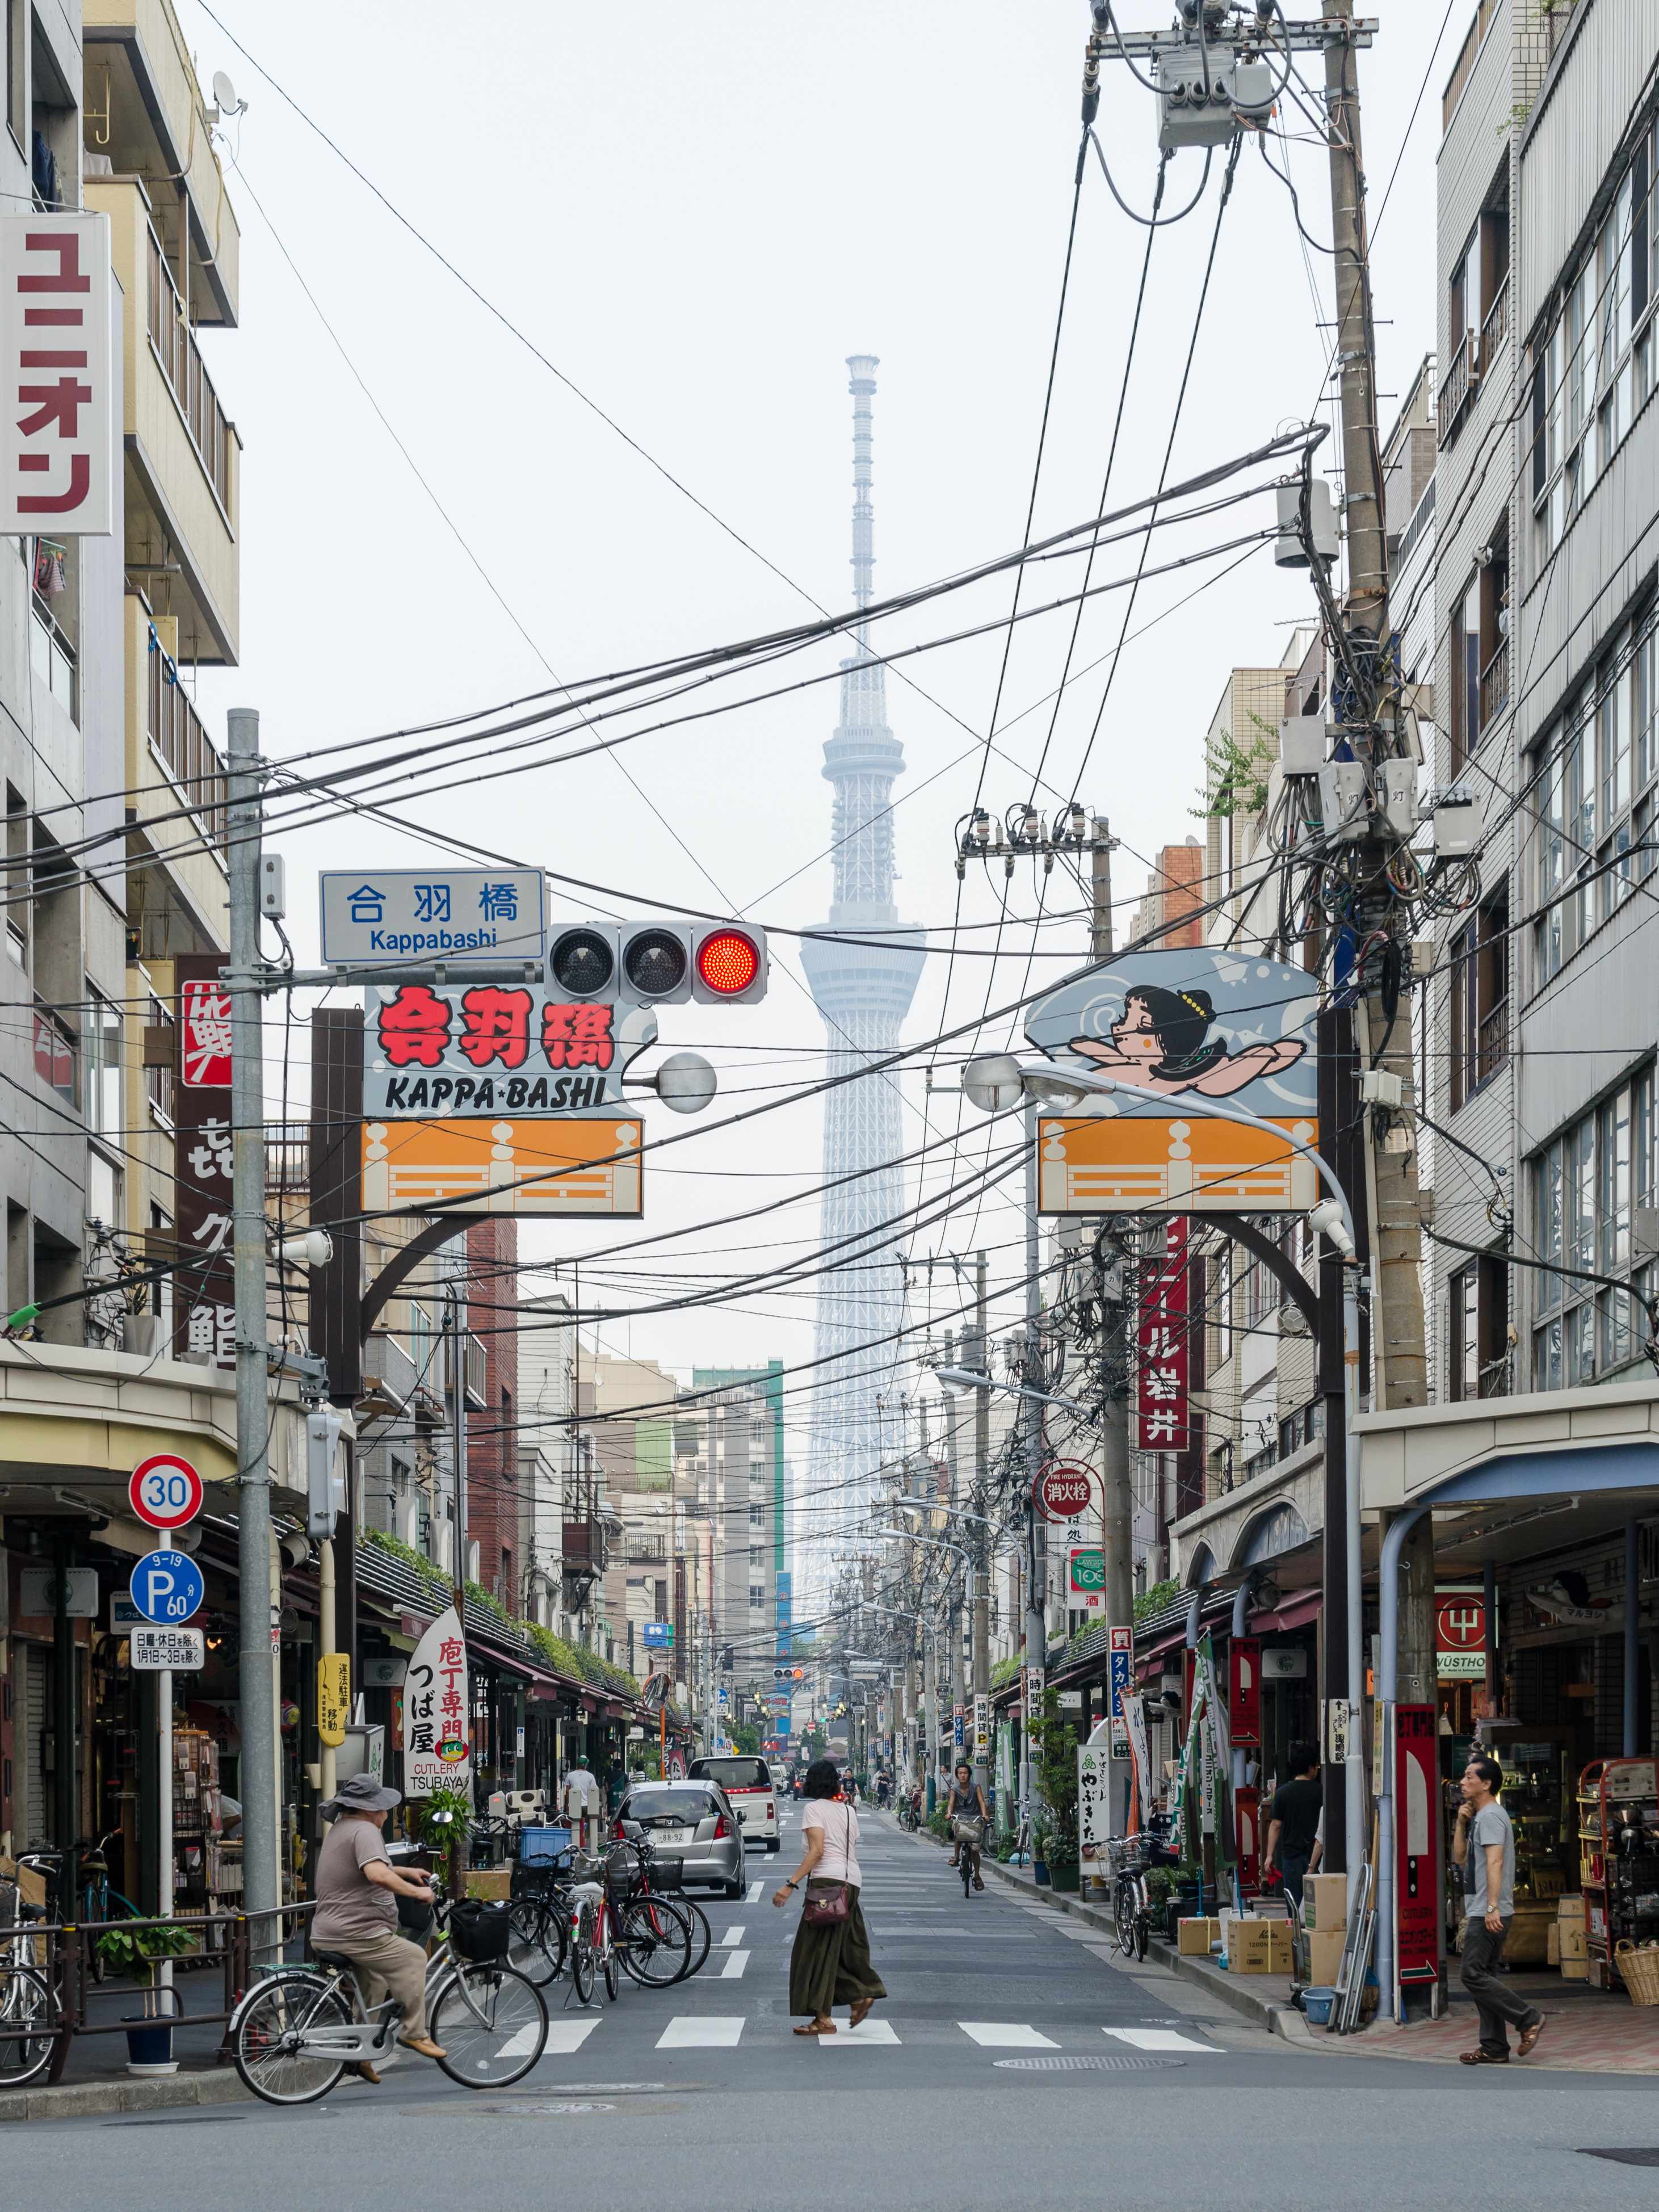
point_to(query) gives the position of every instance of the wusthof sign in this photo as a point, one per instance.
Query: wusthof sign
(1063, 1491)
(1460, 1634)
(1209, 1025)
(58, 427)
(473, 916)
(503, 1167)
(183, 1650)
(487, 1049)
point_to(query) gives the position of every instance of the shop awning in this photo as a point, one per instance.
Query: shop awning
(1295, 1610)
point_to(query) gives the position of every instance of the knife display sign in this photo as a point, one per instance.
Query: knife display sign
(1417, 1844)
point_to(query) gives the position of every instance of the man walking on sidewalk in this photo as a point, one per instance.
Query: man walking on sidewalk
(1483, 1844)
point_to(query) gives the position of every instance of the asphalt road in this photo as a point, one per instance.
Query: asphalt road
(1015, 2063)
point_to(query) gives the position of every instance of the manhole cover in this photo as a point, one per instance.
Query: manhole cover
(1069, 2065)
(1624, 2157)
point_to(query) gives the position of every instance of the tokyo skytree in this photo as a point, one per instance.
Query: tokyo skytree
(863, 990)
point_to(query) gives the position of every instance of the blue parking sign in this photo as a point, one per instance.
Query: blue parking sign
(168, 1587)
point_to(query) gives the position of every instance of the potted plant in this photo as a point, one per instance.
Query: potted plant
(1054, 1746)
(134, 1950)
(1160, 1895)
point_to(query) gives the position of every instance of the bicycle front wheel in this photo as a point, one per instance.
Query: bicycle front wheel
(656, 1942)
(26, 2037)
(271, 2031)
(1123, 1918)
(536, 1946)
(701, 1934)
(492, 2023)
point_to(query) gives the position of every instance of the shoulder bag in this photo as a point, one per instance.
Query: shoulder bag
(827, 1903)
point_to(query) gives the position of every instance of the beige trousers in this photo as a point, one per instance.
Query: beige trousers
(390, 1966)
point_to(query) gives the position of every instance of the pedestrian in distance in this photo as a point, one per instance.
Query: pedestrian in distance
(357, 1890)
(1293, 1821)
(829, 1964)
(1483, 1844)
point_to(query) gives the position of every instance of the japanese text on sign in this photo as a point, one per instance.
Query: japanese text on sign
(487, 1050)
(57, 444)
(1162, 1346)
(467, 913)
(199, 1241)
(437, 1749)
(184, 1650)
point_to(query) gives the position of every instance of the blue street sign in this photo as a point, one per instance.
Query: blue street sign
(659, 1634)
(168, 1587)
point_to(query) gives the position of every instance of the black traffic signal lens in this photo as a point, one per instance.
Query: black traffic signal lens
(583, 962)
(655, 961)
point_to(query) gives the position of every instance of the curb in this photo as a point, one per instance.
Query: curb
(76, 2101)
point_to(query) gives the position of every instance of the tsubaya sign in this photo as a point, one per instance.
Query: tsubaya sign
(1201, 1024)
(437, 1745)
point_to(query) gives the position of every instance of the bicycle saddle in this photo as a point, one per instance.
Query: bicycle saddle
(337, 1959)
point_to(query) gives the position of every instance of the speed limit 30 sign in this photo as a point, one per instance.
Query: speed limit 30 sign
(165, 1491)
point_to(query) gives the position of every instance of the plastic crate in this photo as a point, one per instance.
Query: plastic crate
(543, 1846)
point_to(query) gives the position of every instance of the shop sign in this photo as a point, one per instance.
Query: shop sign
(1094, 1779)
(1417, 1843)
(58, 446)
(1244, 1690)
(1063, 1491)
(1460, 1634)
(1120, 1687)
(1247, 1807)
(487, 1048)
(1087, 1579)
(1033, 1708)
(1210, 1024)
(982, 1731)
(333, 1696)
(38, 1596)
(1162, 1336)
(556, 1166)
(200, 1242)
(1283, 1663)
(437, 1751)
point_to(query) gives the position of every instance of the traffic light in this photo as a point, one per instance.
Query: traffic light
(659, 963)
(725, 1658)
(728, 966)
(326, 1482)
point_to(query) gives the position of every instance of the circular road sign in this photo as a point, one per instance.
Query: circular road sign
(1063, 1491)
(168, 1587)
(165, 1491)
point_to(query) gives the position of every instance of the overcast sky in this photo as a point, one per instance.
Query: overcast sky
(695, 215)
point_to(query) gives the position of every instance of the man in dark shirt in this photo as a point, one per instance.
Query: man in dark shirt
(1293, 1821)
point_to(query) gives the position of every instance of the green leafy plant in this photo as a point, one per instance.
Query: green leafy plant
(1054, 1754)
(1005, 1671)
(1155, 1599)
(1238, 775)
(135, 1950)
(746, 1738)
(1159, 1884)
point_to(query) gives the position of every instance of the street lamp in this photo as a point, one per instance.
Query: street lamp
(997, 1081)
(964, 1378)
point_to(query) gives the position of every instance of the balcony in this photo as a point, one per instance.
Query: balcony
(1495, 686)
(182, 454)
(176, 795)
(182, 745)
(1459, 385)
(1496, 327)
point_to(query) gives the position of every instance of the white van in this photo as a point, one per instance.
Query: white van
(748, 1782)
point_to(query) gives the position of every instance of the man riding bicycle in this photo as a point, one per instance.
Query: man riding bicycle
(967, 1802)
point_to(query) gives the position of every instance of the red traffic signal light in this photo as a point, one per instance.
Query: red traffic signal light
(729, 965)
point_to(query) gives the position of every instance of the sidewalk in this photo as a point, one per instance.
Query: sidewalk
(97, 2078)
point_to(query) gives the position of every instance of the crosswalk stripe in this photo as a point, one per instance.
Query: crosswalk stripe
(563, 2037)
(867, 2031)
(733, 1971)
(700, 2031)
(756, 1890)
(1159, 2039)
(733, 1935)
(1004, 2035)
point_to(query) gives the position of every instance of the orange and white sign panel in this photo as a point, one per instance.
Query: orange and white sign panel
(503, 1167)
(1133, 1163)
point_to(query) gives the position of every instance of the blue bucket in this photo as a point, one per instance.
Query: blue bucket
(1317, 2003)
(543, 1846)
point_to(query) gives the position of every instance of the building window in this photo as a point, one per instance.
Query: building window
(758, 1516)
(1477, 304)
(757, 1599)
(1480, 999)
(103, 1067)
(1302, 1427)
(1587, 1185)
(756, 1555)
(1593, 368)
(1480, 1299)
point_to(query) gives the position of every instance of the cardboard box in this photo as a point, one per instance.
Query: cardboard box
(1553, 1954)
(1325, 1901)
(1325, 1956)
(1250, 1946)
(491, 1883)
(1280, 1940)
(1575, 1970)
(1194, 1937)
(1572, 1941)
(1571, 1908)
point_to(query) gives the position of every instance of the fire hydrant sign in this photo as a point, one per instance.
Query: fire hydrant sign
(175, 1650)
(437, 1747)
(469, 917)
(58, 425)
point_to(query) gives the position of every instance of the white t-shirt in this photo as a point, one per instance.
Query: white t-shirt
(840, 1826)
(581, 1791)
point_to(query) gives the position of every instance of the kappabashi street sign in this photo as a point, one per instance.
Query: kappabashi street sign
(1200, 1024)
(464, 916)
(555, 1166)
(1063, 1491)
(487, 1048)
(168, 1587)
(165, 1491)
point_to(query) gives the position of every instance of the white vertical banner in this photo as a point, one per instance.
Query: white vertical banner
(437, 1744)
(58, 425)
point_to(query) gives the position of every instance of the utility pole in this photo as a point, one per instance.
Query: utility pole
(1036, 1626)
(981, 1494)
(455, 1321)
(1101, 845)
(260, 1623)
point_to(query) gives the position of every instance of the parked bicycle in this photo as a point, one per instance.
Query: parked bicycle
(1132, 1859)
(294, 2033)
(26, 2031)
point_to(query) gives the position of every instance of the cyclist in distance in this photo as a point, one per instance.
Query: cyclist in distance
(967, 1802)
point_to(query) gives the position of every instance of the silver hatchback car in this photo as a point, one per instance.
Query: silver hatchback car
(693, 1822)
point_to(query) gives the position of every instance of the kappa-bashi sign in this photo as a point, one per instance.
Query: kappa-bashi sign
(464, 916)
(57, 424)
(1202, 1025)
(437, 1742)
(487, 1049)
(1063, 1491)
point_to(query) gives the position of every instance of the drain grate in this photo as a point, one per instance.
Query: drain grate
(1070, 2065)
(1624, 2157)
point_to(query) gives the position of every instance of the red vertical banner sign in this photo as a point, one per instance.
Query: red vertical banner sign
(1416, 1844)
(1161, 1369)
(204, 1292)
(1244, 1690)
(1247, 1804)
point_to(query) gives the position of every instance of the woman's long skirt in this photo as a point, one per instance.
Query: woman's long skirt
(831, 1965)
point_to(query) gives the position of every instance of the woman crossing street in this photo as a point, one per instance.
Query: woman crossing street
(830, 1962)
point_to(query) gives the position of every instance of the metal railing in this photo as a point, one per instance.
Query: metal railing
(1495, 685)
(1459, 382)
(1491, 1044)
(191, 758)
(181, 364)
(1496, 327)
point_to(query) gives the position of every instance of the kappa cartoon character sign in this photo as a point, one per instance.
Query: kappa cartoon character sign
(1196, 1023)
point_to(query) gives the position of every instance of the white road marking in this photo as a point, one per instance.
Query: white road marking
(733, 1935)
(733, 1971)
(867, 2031)
(1002, 2035)
(1159, 2039)
(564, 2036)
(756, 1890)
(695, 2032)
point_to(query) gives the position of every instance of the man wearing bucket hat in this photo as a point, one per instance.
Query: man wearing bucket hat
(356, 1914)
